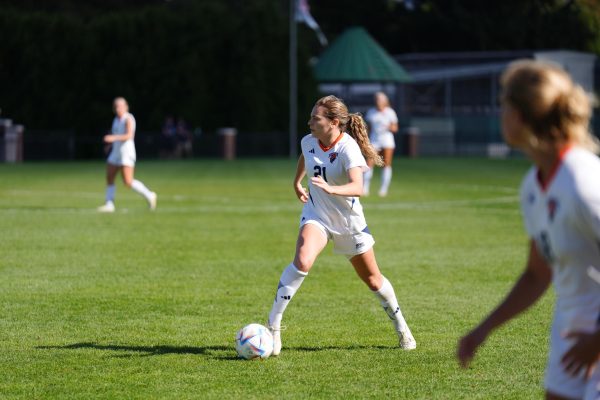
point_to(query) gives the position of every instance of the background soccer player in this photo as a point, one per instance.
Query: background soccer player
(546, 115)
(383, 122)
(122, 157)
(334, 157)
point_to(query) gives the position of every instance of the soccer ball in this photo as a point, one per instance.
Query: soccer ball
(254, 341)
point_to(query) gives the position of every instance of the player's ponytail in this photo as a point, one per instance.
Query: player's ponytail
(353, 124)
(357, 128)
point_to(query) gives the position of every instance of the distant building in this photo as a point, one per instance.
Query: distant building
(452, 98)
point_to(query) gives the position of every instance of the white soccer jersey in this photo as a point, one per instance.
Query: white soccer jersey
(123, 152)
(119, 126)
(379, 122)
(339, 214)
(563, 218)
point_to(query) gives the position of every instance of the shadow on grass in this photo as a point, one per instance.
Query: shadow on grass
(347, 347)
(209, 351)
(157, 350)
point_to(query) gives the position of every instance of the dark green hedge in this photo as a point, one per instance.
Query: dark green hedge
(215, 62)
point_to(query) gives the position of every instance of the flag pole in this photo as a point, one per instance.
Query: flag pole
(293, 81)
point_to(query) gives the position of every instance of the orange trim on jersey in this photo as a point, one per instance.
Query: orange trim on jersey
(561, 155)
(332, 144)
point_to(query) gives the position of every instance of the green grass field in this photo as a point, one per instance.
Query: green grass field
(146, 305)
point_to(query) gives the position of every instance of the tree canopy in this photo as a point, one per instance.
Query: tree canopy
(225, 62)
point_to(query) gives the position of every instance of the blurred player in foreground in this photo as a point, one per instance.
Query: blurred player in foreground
(546, 115)
(334, 157)
(122, 157)
(383, 122)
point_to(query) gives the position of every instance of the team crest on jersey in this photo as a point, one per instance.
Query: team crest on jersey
(552, 207)
(332, 157)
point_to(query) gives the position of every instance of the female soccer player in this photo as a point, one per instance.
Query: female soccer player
(384, 124)
(334, 156)
(546, 116)
(122, 157)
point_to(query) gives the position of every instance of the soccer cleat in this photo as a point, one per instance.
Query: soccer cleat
(152, 201)
(109, 207)
(407, 341)
(382, 193)
(276, 332)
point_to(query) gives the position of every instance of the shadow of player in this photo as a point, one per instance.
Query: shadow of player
(146, 351)
(208, 351)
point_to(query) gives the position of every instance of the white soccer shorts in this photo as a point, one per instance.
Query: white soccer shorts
(123, 155)
(349, 245)
(557, 380)
(383, 141)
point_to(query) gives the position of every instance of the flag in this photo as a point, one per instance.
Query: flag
(303, 15)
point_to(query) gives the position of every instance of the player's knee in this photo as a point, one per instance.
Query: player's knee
(303, 262)
(128, 182)
(374, 282)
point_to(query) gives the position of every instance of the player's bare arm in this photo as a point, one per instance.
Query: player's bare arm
(354, 187)
(121, 138)
(529, 288)
(301, 192)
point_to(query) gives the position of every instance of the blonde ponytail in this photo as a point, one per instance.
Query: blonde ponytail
(357, 128)
(353, 124)
(576, 107)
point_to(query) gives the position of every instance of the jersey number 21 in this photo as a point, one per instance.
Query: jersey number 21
(321, 171)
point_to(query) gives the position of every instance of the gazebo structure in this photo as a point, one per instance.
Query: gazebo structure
(356, 58)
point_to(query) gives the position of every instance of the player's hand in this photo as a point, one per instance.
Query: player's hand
(301, 192)
(583, 355)
(319, 182)
(109, 138)
(468, 345)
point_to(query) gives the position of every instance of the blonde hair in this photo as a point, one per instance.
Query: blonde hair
(120, 98)
(549, 102)
(384, 97)
(353, 124)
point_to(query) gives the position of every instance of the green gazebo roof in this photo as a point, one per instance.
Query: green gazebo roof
(356, 57)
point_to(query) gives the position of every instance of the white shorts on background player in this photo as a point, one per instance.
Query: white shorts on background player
(122, 153)
(564, 221)
(379, 122)
(340, 218)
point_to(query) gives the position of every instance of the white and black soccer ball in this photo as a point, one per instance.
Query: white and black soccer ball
(253, 342)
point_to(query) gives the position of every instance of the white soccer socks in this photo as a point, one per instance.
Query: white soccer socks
(137, 186)
(150, 196)
(387, 298)
(110, 193)
(367, 176)
(109, 206)
(386, 178)
(289, 283)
